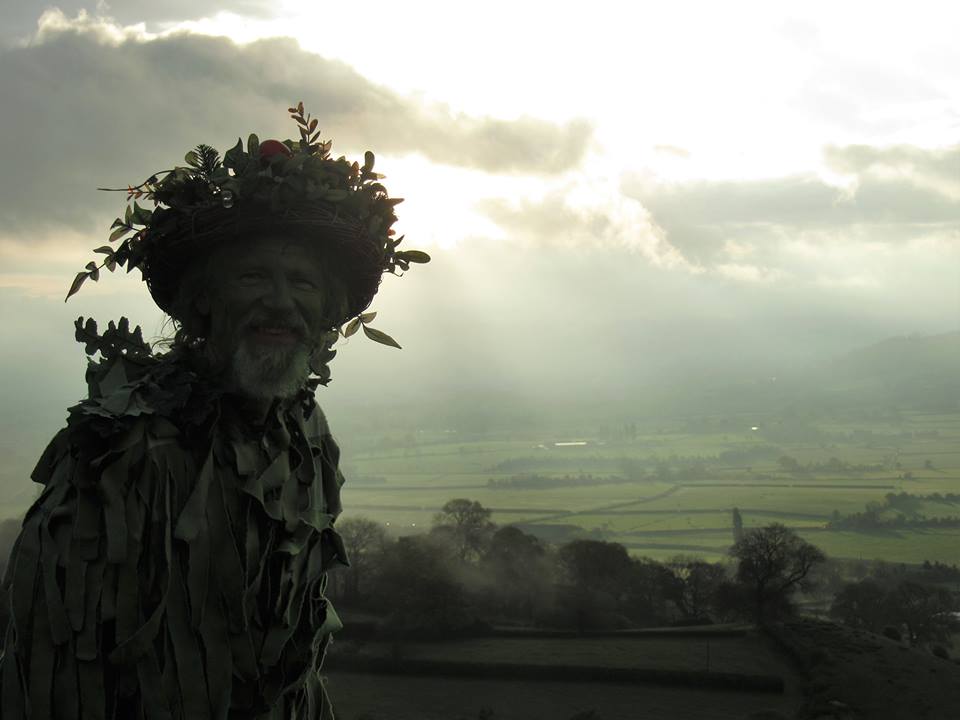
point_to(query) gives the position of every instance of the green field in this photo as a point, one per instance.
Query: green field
(668, 491)
(684, 485)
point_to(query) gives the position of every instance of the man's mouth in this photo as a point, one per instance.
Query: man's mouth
(274, 333)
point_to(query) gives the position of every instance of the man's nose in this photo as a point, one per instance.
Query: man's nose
(279, 294)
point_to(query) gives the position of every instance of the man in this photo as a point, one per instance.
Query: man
(174, 565)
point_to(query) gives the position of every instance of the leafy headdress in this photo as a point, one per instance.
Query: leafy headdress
(269, 185)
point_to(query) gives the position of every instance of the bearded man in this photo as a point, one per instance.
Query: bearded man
(174, 565)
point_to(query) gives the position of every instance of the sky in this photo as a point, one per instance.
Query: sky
(618, 195)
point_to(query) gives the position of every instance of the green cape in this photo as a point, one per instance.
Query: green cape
(173, 567)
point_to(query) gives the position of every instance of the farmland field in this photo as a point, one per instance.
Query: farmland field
(672, 491)
(666, 490)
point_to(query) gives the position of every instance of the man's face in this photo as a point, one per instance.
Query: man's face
(266, 312)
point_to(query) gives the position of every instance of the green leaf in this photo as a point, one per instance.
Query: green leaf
(368, 158)
(380, 337)
(192, 159)
(128, 216)
(77, 282)
(253, 145)
(414, 256)
(234, 156)
(141, 215)
(352, 327)
(367, 317)
(119, 232)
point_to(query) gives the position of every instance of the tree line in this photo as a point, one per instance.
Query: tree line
(468, 572)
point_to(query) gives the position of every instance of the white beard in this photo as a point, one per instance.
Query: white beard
(263, 372)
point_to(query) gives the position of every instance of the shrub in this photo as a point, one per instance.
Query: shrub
(891, 632)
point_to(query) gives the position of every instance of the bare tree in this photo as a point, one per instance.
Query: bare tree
(365, 541)
(773, 562)
(467, 525)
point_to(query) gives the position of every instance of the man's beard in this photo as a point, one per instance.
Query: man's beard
(264, 371)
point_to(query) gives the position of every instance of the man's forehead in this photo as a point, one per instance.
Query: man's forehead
(268, 247)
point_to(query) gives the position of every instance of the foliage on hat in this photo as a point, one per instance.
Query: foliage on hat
(297, 180)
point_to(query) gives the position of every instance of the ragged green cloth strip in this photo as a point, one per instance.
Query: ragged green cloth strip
(174, 565)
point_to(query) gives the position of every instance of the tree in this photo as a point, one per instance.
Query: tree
(516, 565)
(467, 525)
(653, 593)
(418, 588)
(773, 562)
(597, 578)
(365, 541)
(737, 525)
(860, 605)
(789, 464)
(928, 612)
(699, 584)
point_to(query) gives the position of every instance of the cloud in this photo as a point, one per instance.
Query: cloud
(581, 213)
(89, 103)
(20, 16)
(894, 195)
(932, 169)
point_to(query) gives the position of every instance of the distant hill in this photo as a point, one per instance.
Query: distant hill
(921, 372)
(914, 372)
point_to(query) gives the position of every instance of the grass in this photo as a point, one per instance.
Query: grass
(427, 698)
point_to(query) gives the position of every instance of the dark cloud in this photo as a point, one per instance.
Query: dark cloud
(81, 111)
(700, 217)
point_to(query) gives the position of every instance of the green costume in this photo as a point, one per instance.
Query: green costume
(173, 567)
(175, 559)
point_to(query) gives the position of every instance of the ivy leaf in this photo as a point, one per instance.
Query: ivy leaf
(414, 256)
(352, 327)
(87, 333)
(192, 159)
(367, 317)
(234, 156)
(368, 158)
(93, 271)
(380, 337)
(141, 215)
(128, 216)
(253, 145)
(118, 233)
(77, 282)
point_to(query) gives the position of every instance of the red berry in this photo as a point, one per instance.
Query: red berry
(269, 148)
